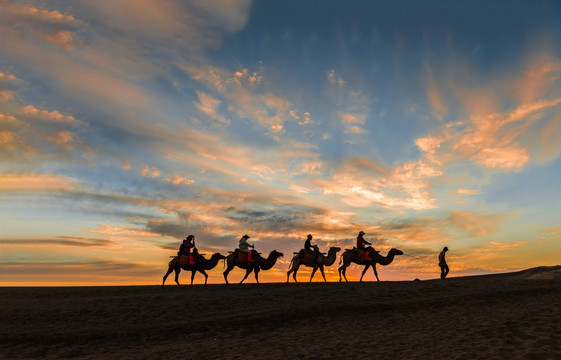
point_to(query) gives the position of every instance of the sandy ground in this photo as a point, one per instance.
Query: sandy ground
(507, 316)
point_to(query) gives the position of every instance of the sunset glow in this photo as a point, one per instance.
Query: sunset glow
(127, 125)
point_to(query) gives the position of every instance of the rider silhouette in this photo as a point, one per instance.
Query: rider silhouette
(308, 247)
(361, 244)
(244, 247)
(185, 248)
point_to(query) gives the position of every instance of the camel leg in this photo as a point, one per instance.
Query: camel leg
(170, 270)
(375, 272)
(293, 270)
(364, 271)
(343, 271)
(257, 274)
(340, 269)
(322, 273)
(247, 272)
(295, 265)
(313, 272)
(177, 271)
(226, 272)
(192, 276)
(202, 271)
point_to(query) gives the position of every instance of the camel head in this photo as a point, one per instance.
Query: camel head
(275, 254)
(219, 256)
(335, 248)
(396, 251)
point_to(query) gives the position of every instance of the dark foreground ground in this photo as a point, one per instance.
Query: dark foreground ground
(508, 316)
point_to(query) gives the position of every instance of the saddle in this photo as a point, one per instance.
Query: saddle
(362, 253)
(306, 257)
(185, 259)
(241, 257)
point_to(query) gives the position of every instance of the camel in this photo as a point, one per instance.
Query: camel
(319, 263)
(351, 255)
(201, 265)
(259, 263)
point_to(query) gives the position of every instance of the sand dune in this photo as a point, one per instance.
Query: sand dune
(505, 316)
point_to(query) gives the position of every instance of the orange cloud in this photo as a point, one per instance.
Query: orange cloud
(30, 12)
(334, 79)
(435, 98)
(178, 180)
(539, 76)
(404, 187)
(209, 106)
(62, 38)
(549, 138)
(44, 115)
(7, 139)
(476, 224)
(467, 191)
(12, 182)
(43, 23)
(63, 139)
(247, 98)
(6, 95)
(150, 172)
(492, 136)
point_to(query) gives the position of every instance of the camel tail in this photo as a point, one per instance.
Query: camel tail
(291, 262)
(340, 259)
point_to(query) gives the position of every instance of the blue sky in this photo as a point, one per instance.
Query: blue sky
(127, 125)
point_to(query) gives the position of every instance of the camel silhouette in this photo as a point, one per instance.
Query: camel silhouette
(201, 264)
(259, 263)
(318, 263)
(351, 256)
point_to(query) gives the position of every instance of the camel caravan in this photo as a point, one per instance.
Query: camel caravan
(245, 257)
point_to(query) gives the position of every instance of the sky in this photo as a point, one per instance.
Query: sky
(127, 125)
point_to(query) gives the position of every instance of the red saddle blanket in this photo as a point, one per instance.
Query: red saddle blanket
(362, 255)
(186, 260)
(244, 258)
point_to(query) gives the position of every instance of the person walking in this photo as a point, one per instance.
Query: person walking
(444, 269)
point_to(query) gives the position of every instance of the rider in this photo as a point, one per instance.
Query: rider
(308, 247)
(361, 244)
(244, 247)
(186, 246)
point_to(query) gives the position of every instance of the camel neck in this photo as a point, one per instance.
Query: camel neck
(269, 262)
(330, 258)
(385, 260)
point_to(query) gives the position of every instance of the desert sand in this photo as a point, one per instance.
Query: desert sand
(505, 316)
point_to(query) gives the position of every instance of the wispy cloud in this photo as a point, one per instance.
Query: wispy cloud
(59, 240)
(14, 182)
(502, 139)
